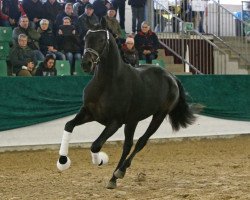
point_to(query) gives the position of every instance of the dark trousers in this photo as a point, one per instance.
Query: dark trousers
(137, 16)
(120, 6)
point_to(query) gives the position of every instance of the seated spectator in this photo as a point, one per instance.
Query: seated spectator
(47, 67)
(33, 36)
(47, 41)
(147, 43)
(10, 12)
(51, 8)
(68, 12)
(79, 7)
(114, 26)
(34, 11)
(101, 7)
(129, 53)
(69, 42)
(87, 16)
(22, 57)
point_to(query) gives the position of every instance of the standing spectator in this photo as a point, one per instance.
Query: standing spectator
(47, 67)
(129, 53)
(147, 43)
(51, 8)
(138, 13)
(47, 41)
(68, 12)
(11, 10)
(87, 16)
(101, 7)
(69, 42)
(79, 7)
(120, 6)
(186, 11)
(114, 26)
(34, 11)
(33, 36)
(22, 57)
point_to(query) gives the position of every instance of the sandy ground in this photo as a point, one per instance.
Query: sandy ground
(189, 169)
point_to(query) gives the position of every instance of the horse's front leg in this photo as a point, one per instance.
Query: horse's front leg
(129, 131)
(100, 158)
(82, 117)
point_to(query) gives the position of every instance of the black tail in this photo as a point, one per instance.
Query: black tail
(182, 114)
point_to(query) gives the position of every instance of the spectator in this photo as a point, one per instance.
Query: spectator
(11, 10)
(129, 52)
(47, 41)
(147, 43)
(69, 42)
(34, 11)
(51, 8)
(101, 7)
(68, 12)
(87, 16)
(79, 7)
(138, 11)
(186, 11)
(33, 36)
(120, 5)
(114, 26)
(47, 67)
(23, 58)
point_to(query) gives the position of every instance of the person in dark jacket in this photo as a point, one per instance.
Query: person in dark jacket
(68, 12)
(47, 41)
(129, 52)
(34, 11)
(89, 16)
(138, 13)
(69, 43)
(23, 58)
(47, 67)
(147, 43)
(101, 7)
(51, 8)
(79, 7)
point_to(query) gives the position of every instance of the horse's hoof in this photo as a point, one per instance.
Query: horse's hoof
(63, 163)
(111, 185)
(119, 174)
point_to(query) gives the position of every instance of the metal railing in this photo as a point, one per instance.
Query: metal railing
(187, 45)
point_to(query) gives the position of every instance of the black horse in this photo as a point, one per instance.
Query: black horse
(120, 94)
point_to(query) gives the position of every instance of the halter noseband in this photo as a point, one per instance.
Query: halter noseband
(92, 51)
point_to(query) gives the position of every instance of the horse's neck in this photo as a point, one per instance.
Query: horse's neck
(111, 66)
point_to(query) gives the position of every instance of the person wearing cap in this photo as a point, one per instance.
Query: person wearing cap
(129, 53)
(147, 43)
(113, 24)
(79, 7)
(89, 16)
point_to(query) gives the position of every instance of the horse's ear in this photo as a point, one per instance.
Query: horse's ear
(103, 23)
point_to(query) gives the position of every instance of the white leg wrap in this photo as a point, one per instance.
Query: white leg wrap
(95, 158)
(65, 144)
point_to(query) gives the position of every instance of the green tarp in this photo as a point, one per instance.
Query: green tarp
(29, 100)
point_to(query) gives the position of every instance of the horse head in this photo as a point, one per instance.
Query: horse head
(96, 45)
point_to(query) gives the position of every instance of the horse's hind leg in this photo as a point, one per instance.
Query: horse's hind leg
(154, 125)
(81, 118)
(128, 143)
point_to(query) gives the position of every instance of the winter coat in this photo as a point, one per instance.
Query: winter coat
(33, 36)
(50, 11)
(100, 8)
(79, 8)
(83, 25)
(44, 71)
(113, 26)
(12, 8)
(33, 9)
(20, 56)
(148, 41)
(47, 39)
(59, 19)
(130, 56)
